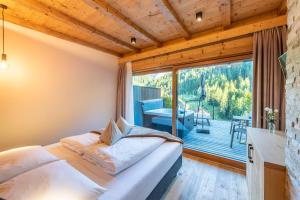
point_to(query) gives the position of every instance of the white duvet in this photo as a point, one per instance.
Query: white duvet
(122, 154)
(56, 180)
(78, 143)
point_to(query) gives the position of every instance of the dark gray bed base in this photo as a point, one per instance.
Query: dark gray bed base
(164, 183)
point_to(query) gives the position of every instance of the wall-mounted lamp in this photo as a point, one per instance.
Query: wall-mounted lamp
(3, 64)
(199, 16)
(133, 40)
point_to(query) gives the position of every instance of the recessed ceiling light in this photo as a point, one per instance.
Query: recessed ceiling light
(199, 16)
(133, 40)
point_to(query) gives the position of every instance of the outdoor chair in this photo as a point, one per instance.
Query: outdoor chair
(239, 127)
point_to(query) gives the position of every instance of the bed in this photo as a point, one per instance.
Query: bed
(147, 179)
(32, 173)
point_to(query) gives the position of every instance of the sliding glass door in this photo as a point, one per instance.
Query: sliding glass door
(153, 101)
(214, 108)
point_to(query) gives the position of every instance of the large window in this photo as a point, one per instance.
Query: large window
(153, 101)
(213, 106)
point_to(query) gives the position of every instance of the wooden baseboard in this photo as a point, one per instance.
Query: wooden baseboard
(217, 159)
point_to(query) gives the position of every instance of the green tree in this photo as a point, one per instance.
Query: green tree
(228, 88)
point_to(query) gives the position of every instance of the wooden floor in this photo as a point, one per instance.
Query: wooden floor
(217, 142)
(200, 179)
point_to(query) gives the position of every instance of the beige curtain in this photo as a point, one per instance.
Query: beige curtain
(268, 79)
(121, 90)
(124, 105)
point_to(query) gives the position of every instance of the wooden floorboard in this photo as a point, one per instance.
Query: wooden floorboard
(206, 180)
(217, 142)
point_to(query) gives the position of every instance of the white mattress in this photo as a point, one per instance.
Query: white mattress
(136, 182)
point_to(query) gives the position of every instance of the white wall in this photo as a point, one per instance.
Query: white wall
(53, 88)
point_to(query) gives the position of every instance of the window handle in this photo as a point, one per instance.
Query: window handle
(250, 150)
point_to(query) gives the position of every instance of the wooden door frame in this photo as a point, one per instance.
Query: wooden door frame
(174, 100)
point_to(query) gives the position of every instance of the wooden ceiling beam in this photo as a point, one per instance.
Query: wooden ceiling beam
(240, 46)
(226, 12)
(28, 24)
(283, 7)
(169, 12)
(110, 11)
(235, 31)
(54, 13)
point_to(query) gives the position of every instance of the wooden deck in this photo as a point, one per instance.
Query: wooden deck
(217, 142)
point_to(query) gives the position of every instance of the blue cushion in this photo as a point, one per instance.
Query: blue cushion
(152, 104)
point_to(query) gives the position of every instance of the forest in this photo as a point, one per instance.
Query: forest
(228, 88)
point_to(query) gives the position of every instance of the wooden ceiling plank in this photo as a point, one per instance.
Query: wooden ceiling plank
(28, 24)
(217, 36)
(52, 12)
(226, 9)
(110, 11)
(282, 8)
(169, 12)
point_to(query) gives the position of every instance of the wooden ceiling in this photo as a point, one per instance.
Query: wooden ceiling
(108, 25)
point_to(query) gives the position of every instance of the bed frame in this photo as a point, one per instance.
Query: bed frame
(164, 183)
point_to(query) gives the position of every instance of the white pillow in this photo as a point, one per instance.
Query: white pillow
(78, 143)
(111, 133)
(124, 126)
(56, 180)
(17, 161)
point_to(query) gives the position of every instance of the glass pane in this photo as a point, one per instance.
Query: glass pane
(153, 101)
(214, 108)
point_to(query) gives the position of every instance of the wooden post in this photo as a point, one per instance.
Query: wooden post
(174, 101)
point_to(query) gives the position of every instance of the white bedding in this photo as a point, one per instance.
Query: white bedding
(136, 182)
(56, 180)
(122, 154)
(78, 143)
(19, 160)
